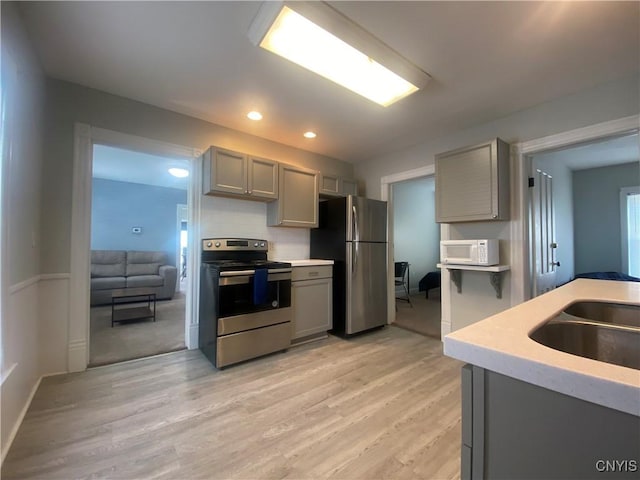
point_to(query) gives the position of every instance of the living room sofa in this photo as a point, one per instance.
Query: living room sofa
(115, 269)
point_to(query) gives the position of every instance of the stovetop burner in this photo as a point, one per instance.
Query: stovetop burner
(238, 254)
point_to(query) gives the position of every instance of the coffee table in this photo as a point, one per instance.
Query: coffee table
(125, 296)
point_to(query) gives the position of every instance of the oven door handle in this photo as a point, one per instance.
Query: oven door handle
(240, 273)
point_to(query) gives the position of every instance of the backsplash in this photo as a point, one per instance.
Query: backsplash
(230, 217)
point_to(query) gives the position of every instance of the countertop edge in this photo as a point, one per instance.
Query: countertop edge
(602, 391)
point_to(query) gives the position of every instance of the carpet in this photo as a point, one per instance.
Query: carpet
(425, 316)
(136, 338)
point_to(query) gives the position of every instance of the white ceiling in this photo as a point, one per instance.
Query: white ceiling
(603, 153)
(128, 166)
(487, 60)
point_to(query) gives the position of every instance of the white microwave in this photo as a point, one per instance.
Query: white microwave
(469, 252)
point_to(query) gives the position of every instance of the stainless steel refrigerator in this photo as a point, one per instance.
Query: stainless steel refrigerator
(352, 232)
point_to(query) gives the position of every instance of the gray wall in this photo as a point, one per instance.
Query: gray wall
(68, 103)
(23, 335)
(118, 206)
(609, 101)
(416, 235)
(22, 170)
(596, 207)
(563, 203)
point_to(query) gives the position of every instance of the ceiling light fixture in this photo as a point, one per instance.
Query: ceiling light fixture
(309, 134)
(321, 39)
(179, 172)
(253, 115)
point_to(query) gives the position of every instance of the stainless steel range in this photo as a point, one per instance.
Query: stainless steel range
(245, 301)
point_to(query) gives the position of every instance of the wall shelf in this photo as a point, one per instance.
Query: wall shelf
(495, 276)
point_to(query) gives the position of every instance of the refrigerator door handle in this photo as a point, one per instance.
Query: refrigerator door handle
(354, 263)
(355, 224)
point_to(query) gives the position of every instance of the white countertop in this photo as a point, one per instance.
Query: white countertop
(309, 262)
(501, 343)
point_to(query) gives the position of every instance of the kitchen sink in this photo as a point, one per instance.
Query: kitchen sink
(606, 312)
(606, 342)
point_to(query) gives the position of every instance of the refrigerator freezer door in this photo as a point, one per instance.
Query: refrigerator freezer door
(366, 220)
(366, 299)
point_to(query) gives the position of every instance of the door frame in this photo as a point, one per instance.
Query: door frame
(85, 136)
(386, 194)
(624, 225)
(181, 208)
(522, 153)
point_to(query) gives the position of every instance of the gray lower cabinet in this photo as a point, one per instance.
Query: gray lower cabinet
(312, 302)
(472, 183)
(515, 430)
(234, 174)
(297, 203)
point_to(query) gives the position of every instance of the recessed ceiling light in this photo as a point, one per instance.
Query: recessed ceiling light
(309, 134)
(253, 115)
(179, 172)
(314, 35)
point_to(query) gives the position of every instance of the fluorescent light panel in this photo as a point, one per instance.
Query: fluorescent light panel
(298, 39)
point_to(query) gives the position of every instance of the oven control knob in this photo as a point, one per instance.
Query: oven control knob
(255, 244)
(208, 244)
(262, 244)
(217, 244)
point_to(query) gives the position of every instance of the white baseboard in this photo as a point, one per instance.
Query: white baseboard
(192, 342)
(77, 356)
(18, 422)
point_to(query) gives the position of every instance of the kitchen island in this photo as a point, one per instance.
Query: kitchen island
(531, 411)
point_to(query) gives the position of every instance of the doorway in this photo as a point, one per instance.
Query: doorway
(137, 307)
(416, 243)
(584, 184)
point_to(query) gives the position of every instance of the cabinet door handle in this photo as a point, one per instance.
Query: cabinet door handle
(314, 274)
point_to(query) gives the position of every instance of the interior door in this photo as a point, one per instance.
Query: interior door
(544, 241)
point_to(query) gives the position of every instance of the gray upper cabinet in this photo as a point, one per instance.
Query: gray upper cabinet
(262, 178)
(348, 186)
(335, 186)
(229, 173)
(472, 183)
(329, 185)
(297, 203)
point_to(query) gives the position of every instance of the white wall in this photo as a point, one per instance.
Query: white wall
(562, 181)
(416, 235)
(227, 217)
(22, 337)
(605, 102)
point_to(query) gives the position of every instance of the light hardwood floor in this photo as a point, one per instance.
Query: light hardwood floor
(422, 316)
(381, 405)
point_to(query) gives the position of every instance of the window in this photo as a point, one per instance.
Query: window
(630, 222)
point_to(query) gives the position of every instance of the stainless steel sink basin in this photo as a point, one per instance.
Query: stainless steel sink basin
(606, 342)
(605, 312)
